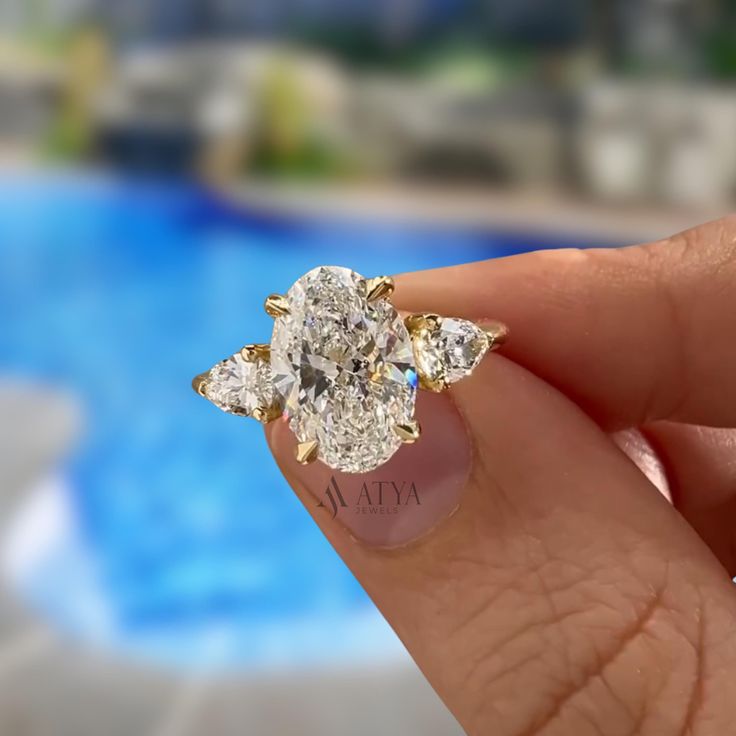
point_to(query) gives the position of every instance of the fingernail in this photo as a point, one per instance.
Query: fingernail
(404, 499)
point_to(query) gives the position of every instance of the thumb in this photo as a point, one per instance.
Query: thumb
(541, 583)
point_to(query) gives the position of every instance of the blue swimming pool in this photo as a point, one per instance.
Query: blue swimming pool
(121, 291)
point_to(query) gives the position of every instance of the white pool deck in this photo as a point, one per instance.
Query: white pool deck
(548, 213)
(52, 688)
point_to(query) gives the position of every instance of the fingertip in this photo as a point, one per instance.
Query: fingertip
(400, 501)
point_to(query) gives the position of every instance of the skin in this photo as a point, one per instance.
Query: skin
(566, 595)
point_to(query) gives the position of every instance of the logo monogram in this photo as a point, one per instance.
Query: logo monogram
(382, 497)
(334, 496)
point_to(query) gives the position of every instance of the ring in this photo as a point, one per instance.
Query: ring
(343, 367)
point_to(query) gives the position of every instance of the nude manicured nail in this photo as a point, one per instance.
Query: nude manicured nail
(406, 497)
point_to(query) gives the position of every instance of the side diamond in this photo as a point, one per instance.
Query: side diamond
(446, 348)
(241, 387)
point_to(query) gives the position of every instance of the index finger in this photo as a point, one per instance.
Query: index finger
(632, 335)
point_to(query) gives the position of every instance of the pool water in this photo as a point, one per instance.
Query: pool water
(186, 544)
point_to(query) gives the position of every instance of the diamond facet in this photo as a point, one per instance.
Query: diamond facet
(344, 368)
(447, 349)
(239, 386)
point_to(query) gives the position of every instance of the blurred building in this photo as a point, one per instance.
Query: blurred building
(623, 101)
(29, 91)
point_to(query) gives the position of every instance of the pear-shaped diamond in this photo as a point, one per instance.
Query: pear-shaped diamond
(240, 386)
(447, 349)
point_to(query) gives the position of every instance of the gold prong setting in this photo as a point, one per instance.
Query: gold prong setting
(497, 334)
(266, 414)
(422, 321)
(199, 384)
(254, 353)
(324, 322)
(306, 452)
(408, 433)
(277, 305)
(379, 288)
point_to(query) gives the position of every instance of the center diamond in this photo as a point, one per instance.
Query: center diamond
(344, 369)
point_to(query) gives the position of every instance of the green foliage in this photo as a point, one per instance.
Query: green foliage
(287, 141)
(315, 159)
(360, 48)
(474, 68)
(720, 54)
(66, 141)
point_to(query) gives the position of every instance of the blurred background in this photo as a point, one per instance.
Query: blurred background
(164, 164)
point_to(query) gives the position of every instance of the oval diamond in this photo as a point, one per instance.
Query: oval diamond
(344, 368)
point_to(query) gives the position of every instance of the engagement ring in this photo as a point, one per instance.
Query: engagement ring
(343, 367)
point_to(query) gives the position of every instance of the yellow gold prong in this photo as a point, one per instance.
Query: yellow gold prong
(429, 385)
(277, 305)
(306, 452)
(265, 414)
(379, 374)
(416, 322)
(409, 432)
(378, 288)
(199, 383)
(497, 334)
(252, 353)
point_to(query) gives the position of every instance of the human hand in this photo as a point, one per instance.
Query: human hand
(537, 576)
